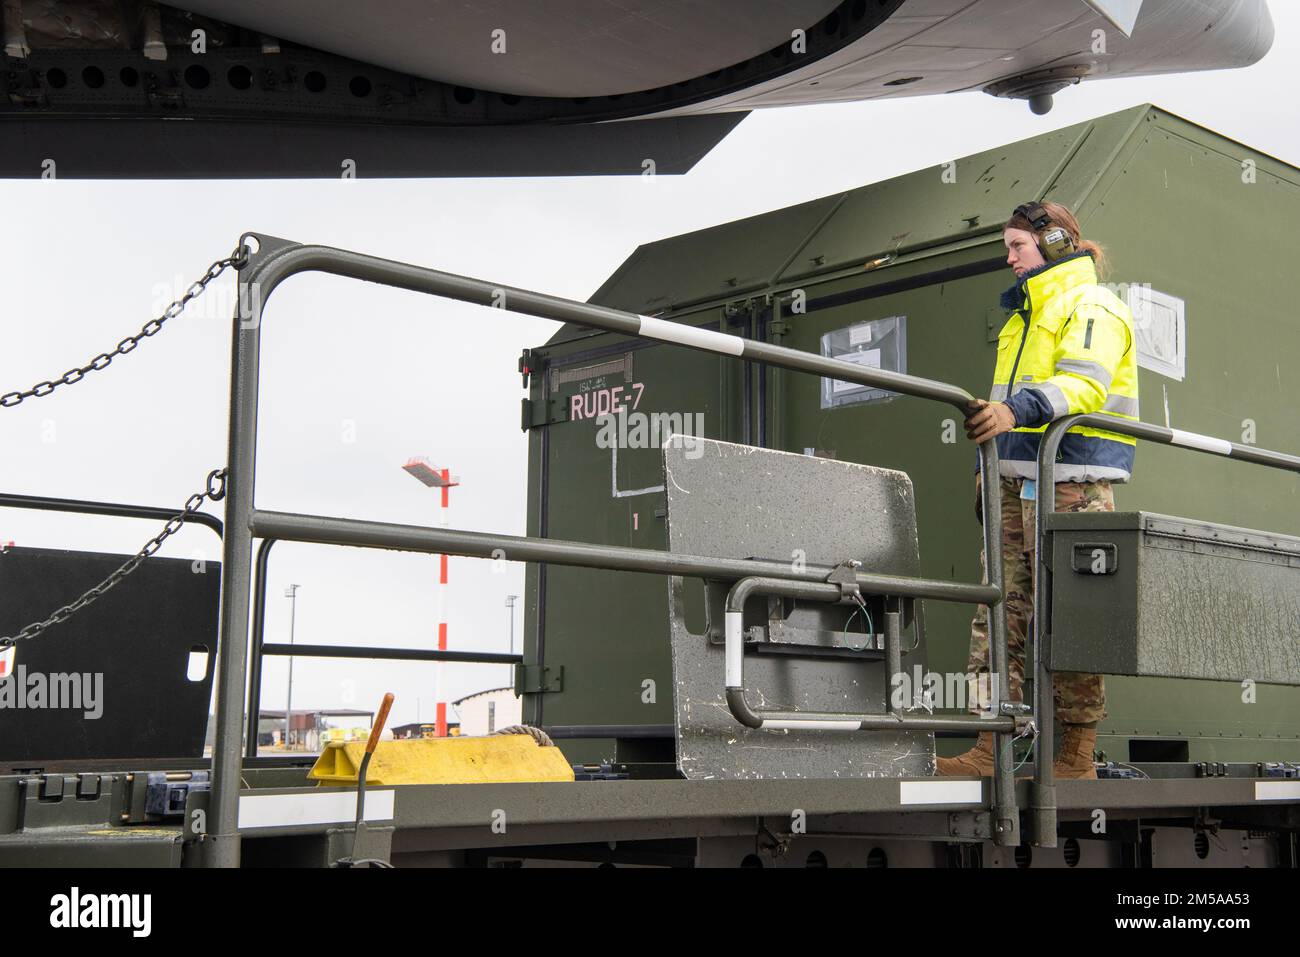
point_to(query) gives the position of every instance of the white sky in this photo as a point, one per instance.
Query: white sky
(414, 375)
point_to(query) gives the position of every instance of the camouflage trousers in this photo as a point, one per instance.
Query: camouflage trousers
(1080, 698)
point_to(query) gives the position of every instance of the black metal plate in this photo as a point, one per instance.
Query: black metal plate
(137, 638)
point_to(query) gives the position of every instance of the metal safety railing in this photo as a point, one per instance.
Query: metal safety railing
(894, 718)
(110, 509)
(1043, 792)
(260, 649)
(274, 260)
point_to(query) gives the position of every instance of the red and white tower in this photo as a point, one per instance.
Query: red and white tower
(439, 479)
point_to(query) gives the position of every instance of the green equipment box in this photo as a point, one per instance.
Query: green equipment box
(1137, 593)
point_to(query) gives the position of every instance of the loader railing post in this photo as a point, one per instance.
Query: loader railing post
(1043, 792)
(241, 444)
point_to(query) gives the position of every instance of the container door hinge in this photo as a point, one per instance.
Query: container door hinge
(539, 413)
(739, 310)
(538, 679)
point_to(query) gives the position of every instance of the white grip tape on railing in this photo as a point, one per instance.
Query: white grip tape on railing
(794, 724)
(1195, 441)
(690, 336)
(735, 648)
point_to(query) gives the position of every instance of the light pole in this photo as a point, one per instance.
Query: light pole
(510, 603)
(432, 477)
(290, 593)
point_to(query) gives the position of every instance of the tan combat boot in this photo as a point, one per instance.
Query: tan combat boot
(977, 762)
(1074, 760)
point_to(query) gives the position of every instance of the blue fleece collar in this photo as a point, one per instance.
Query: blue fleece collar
(1014, 297)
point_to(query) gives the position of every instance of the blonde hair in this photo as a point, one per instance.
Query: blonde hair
(1058, 215)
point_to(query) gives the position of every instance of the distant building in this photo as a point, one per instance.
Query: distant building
(311, 730)
(487, 712)
(423, 729)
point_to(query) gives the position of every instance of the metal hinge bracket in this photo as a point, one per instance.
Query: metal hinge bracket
(538, 679)
(539, 413)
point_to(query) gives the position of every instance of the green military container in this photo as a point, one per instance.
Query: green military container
(906, 274)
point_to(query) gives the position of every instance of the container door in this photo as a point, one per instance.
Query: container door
(603, 483)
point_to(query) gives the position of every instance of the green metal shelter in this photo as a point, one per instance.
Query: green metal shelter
(905, 274)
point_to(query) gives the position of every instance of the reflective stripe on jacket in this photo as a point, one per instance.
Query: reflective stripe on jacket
(1076, 353)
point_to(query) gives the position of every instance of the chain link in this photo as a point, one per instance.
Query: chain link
(215, 491)
(238, 258)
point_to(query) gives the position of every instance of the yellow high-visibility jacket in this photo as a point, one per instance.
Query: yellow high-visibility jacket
(1069, 348)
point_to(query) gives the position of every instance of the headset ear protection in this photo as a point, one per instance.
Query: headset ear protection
(1053, 241)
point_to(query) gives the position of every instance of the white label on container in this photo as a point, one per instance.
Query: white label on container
(867, 357)
(860, 333)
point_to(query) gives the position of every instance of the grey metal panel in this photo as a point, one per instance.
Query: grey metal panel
(736, 501)
(1189, 599)
(578, 48)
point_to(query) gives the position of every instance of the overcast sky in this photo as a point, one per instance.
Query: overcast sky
(89, 262)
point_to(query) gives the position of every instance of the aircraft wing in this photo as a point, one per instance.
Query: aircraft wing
(376, 88)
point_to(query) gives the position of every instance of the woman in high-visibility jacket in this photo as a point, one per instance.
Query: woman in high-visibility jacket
(1069, 348)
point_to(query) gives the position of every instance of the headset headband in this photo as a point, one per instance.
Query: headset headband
(1034, 212)
(1053, 241)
